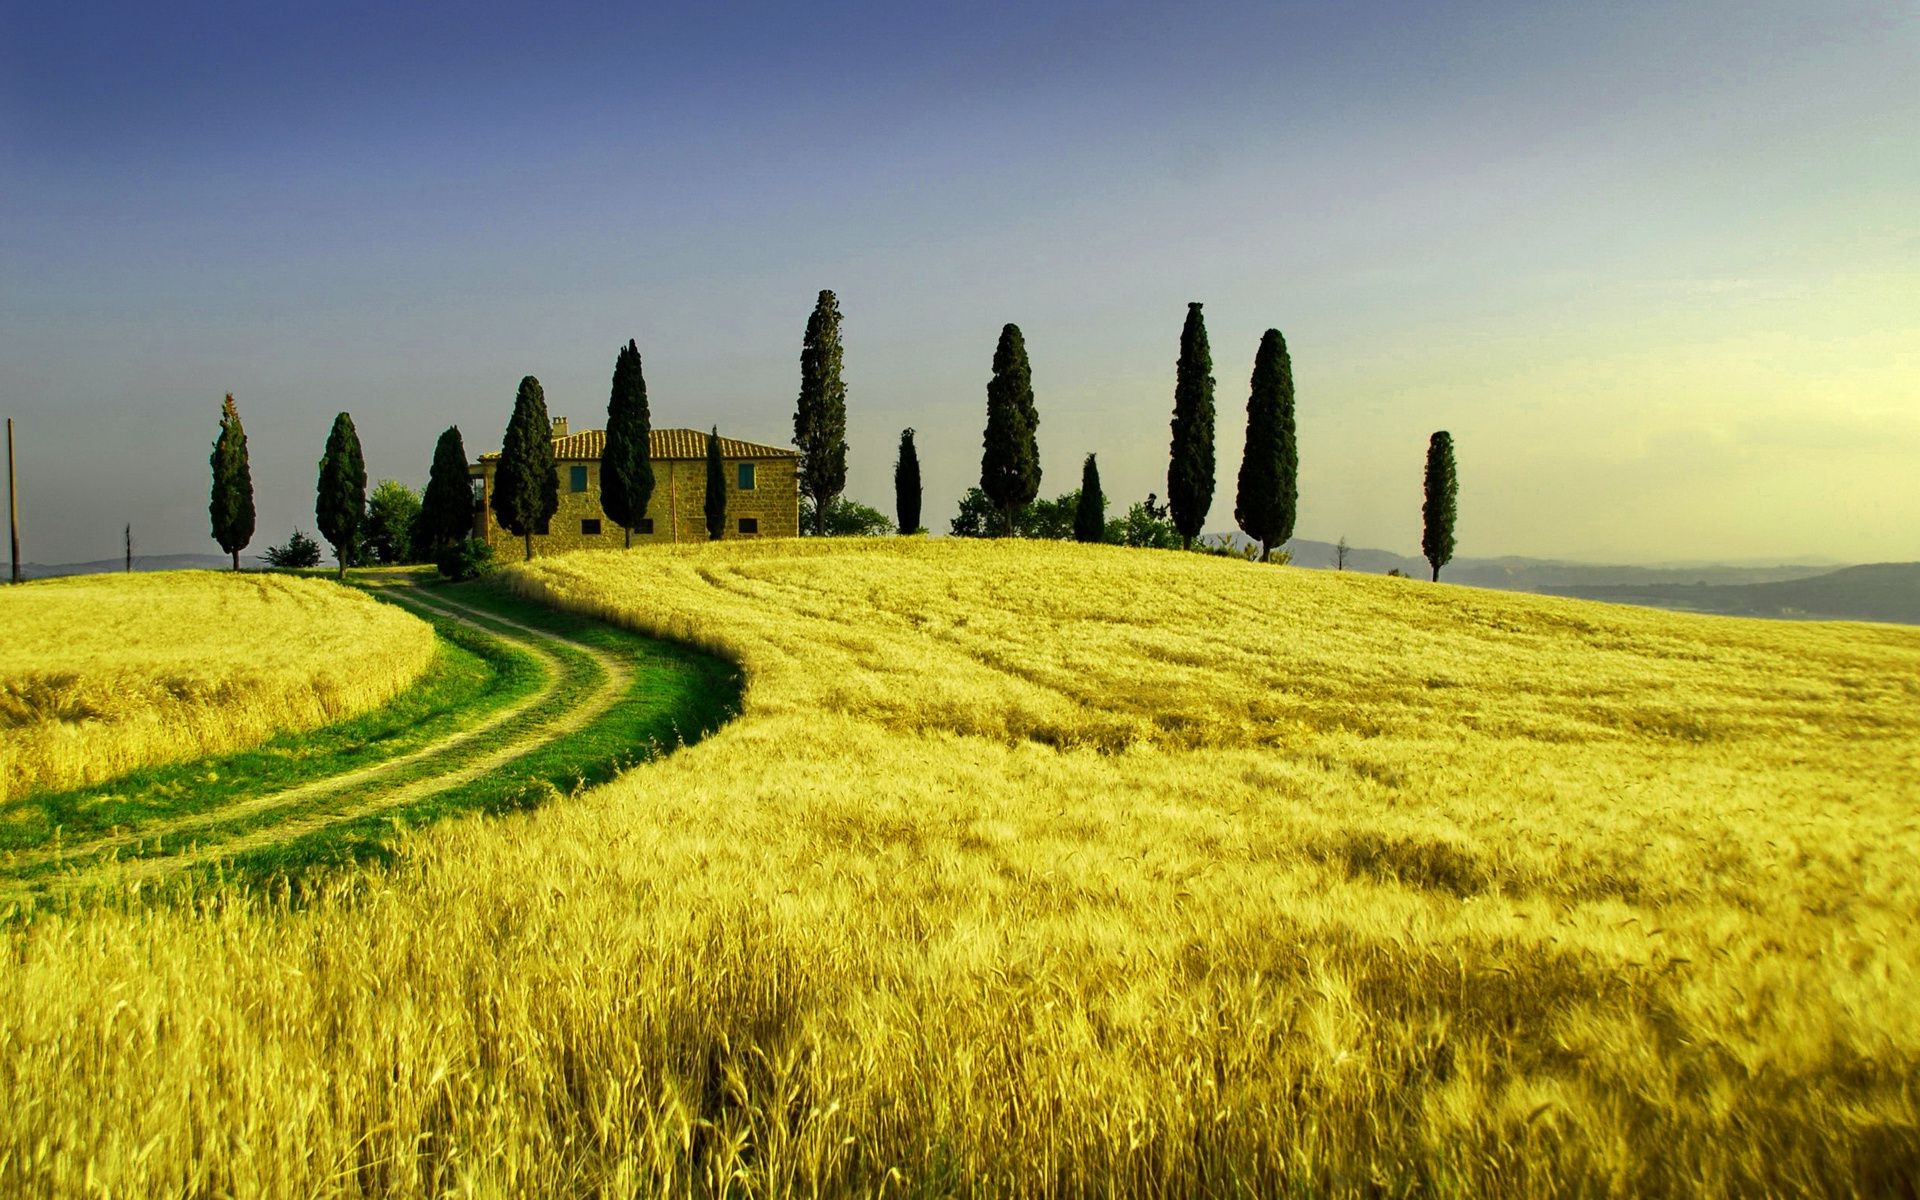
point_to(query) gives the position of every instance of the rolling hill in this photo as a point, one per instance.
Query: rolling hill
(1047, 869)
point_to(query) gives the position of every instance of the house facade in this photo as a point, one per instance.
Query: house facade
(763, 494)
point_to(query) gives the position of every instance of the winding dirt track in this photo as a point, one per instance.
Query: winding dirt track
(513, 732)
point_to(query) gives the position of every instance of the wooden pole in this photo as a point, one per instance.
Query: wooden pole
(13, 504)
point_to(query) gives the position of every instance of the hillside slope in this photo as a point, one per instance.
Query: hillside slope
(1045, 868)
(101, 674)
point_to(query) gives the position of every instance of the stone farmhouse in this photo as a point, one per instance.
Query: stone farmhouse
(763, 494)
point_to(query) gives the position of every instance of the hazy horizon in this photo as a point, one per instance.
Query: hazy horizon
(1654, 266)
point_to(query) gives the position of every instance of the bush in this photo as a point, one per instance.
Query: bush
(299, 551)
(847, 518)
(1051, 519)
(392, 510)
(465, 560)
(1146, 526)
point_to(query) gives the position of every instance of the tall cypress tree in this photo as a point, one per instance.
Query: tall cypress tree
(1090, 518)
(626, 465)
(232, 504)
(1010, 463)
(716, 489)
(340, 506)
(446, 507)
(1190, 469)
(820, 418)
(526, 484)
(1270, 468)
(906, 484)
(1436, 539)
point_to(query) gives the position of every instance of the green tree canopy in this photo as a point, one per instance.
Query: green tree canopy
(820, 417)
(1010, 458)
(340, 504)
(847, 518)
(232, 503)
(526, 484)
(1437, 513)
(1269, 468)
(1190, 468)
(906, 484)
(393, 509)
(1090, 516)
(626, 464)
(446, 507)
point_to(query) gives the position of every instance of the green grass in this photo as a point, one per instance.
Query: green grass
(470, 676)
(677, 695)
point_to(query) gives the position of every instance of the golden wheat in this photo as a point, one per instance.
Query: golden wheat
(1036, 869)
(100, 674)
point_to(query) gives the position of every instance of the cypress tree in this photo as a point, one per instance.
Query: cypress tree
(716, 488)
(626, 465)
(446, 507)
(906, 484)
(1090, 518)
(1190, 471)
(341, 504)
(1270, 468)
(820, 418)
(526, 484)
(232, 504)
(1436, 541)
(1010, 463)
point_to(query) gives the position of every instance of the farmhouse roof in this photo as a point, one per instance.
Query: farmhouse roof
(588, 444)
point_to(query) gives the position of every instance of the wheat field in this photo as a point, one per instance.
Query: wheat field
(100, 674)
(1036, 869)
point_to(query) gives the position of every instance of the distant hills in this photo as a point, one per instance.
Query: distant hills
(1805, 590)
(141, 562)
(1874, 592)
(1515, 574)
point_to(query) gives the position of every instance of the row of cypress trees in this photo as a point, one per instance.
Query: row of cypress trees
(1268, 491)
(1267, 496)
(526, 484)
(340, 494)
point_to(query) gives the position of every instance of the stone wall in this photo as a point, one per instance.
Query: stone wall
(677, 509)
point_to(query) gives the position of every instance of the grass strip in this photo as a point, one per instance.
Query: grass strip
(676, 694)
(471, 675)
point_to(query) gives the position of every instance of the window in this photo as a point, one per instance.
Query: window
(746, 477)
(589, 526)
(749, 524)
(576, 479)
(646, 525)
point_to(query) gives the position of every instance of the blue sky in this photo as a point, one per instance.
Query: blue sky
(1655, 266)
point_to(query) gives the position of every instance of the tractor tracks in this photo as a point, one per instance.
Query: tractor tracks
(579, 683)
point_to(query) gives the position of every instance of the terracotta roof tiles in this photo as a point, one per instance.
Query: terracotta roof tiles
(589, 444)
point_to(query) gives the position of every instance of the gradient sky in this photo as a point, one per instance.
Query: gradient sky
(1655, 266)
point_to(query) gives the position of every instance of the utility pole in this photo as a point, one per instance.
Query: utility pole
(13, 504)
(129, 549)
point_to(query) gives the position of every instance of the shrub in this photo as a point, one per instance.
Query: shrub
(299, 551)
(846, 518)
(1146, 525)
(392, 510)
(469, 559)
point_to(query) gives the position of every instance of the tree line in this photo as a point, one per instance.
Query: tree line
(392, 525)
(525, 493)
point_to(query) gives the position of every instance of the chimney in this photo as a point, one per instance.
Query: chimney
(559, 427)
